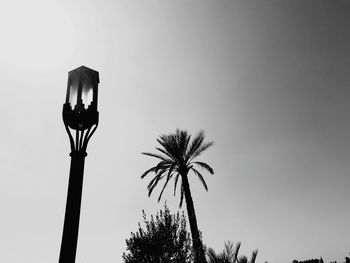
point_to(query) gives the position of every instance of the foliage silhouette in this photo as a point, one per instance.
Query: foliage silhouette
(230, 254)
(176, 161)
(164, 239)
(347, 260)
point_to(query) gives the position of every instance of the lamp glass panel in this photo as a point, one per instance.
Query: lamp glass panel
(73, 93)
(87, 94)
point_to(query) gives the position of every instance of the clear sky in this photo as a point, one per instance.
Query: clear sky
(269, 82)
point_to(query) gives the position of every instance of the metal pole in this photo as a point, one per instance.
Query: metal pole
(84, 122)
(72, 215)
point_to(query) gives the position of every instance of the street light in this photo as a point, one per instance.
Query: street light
(80, 115)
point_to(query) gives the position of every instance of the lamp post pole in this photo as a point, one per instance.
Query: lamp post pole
(80, 115)
(72, 215)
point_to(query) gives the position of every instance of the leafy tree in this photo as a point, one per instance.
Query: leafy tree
(164, 239)
(177, 156)
(230, 255)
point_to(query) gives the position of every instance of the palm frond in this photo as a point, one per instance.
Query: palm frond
(152, 181)
(204, 166)
(196, 143)
(253, 256)
(155, 183)
(169, 172)
(200, 178)
(212, 256)
(175, 182)
(242, 259)
(229, 251)
(182, 196)
(165, 184)
(235, 252)
(169, 144)
(165, 152)
(188, 139)
(148, 171)
(155, 179)
(174, 140)
(183, 139)
(156, 156)
(163, 165)
(159, 166)
(201, 149)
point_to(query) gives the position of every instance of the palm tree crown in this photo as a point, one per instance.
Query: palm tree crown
(230, 255)
(177, 156)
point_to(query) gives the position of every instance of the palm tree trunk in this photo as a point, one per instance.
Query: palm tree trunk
(197, 243)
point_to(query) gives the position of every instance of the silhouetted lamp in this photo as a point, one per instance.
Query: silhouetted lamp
(80, 115)
(80, 110)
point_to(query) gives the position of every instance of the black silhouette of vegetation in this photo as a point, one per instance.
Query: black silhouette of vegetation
(320, 260)
(176, 161)
(230, 254)
(164, 239)
(315, 260)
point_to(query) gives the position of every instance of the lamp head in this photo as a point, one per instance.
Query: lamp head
(80, 109)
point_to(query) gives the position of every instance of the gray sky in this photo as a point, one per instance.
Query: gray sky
(267, 80)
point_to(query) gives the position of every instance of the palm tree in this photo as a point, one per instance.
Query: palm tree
(177, 156)
(230, 255)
